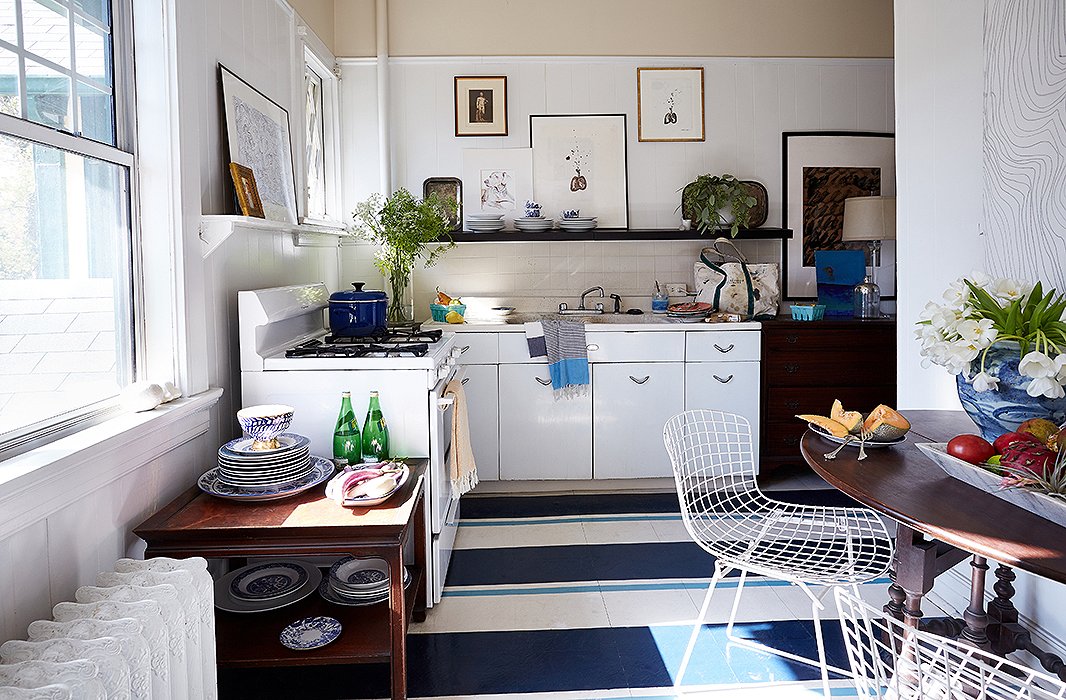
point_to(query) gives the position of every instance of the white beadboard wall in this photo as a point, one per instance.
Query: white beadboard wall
(749, 102)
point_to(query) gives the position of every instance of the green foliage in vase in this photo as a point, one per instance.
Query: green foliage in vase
(704, 199)
(404, 228)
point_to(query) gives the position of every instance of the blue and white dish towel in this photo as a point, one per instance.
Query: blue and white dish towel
(563, 343)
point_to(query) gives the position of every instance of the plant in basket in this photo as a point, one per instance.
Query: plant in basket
(1035, 467)
(1005, 340)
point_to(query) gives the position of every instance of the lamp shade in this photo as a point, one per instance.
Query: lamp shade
(869, 219)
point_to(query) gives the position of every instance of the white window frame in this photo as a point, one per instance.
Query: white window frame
(317, 58)
(121, 154)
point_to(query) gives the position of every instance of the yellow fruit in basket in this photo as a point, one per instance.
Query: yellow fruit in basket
(454, 317)
(455, 301)
(442, 298)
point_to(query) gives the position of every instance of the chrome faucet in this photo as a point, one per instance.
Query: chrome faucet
(588, 291)
(563, 309)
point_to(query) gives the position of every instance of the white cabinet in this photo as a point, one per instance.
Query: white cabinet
(726, 386)
(541, 438)
(630, 404)
(481, 386)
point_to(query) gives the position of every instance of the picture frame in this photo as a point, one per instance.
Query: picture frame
(481, 105)
(447, 188)
(247, 191)
(497, 181)
(670, 104)
(820, 169)
(579, 162)
(257, 135)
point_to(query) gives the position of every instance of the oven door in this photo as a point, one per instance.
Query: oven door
(442, 416)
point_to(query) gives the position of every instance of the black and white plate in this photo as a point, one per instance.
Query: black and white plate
(310, 633)
(360, 573)
(225, 599)
(210, 483)
(330, 595)
(243, 446)
(267, 581)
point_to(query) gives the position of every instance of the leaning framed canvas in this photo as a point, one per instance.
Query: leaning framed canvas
(579, 162)
(257, 131)
(820, 169)
(670, 104)
(447, 188)
(481, 105)
(247, 192)
(497, 181)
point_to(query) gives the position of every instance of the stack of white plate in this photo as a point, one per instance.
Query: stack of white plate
(241, 466)
(533, 224)
(353, 581)
(578, 224)
(484, 223)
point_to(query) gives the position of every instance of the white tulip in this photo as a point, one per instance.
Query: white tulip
(1045, 386)
(1008, 290)
(980, 332)
(983, 381)
(1038, 365)
(1060, 371)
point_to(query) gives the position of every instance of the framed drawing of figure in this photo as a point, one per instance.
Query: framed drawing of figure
(480, 105)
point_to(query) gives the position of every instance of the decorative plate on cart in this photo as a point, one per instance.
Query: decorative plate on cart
(853, 440)
(310, 633)
(210, 483)
(297, 579)
(286, 442)
(372, 596)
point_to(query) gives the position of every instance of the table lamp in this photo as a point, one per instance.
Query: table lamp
(872, 220)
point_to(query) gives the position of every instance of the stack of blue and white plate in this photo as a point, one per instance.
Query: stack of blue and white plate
(484, 223)
(353, 581)
(577, 224)
(248, 474)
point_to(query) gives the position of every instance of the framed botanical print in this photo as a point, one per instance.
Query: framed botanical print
(820, 170)
(579, 162)
(670, 104)
(480, 105)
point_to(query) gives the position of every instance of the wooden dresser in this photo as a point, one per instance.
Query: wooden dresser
(807, 364)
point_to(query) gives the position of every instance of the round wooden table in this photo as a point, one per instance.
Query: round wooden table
(943, 521)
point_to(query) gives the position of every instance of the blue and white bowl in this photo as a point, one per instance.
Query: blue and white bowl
(264, 423)
(570, 213)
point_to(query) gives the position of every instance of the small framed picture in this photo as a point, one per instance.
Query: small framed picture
(247, 192)
(480, 105)
(670, 104)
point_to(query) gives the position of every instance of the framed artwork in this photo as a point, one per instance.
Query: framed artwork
(579, 162)
(670, 104)
(257, 131)
(480, 105)
(447, 188)
(247, 192)
(837, 272)
(820, 169)
(497, 181)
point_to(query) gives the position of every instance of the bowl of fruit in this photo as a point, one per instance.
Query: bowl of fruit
(1026, 467)
(448, 309)
(881, 427)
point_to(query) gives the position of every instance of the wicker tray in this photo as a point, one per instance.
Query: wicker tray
(1046, 507)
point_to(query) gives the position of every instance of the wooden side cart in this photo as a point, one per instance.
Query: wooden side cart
(308, 525)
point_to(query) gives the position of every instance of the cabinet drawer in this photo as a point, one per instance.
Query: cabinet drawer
(782, 403)
(478, 348)
(514, 349)
(715, 346)
(635, 346)
(781, 439)
(817, 369)
(827, 338)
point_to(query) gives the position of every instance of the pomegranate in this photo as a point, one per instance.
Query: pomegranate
(970, 448)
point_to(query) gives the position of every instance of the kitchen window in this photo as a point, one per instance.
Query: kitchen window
(67, 238)
(321, 141)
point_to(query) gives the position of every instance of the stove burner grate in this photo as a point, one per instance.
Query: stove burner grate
(316, 348)
(400, 334)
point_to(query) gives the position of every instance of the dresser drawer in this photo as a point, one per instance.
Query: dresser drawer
(783, 403)
(781, 440)
(719, 346)
(817, 337)
(478, 348)
(804, 368)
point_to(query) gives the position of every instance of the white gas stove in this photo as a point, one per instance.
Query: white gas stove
(289, 357)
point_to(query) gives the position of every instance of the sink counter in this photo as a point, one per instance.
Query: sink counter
(593, 324)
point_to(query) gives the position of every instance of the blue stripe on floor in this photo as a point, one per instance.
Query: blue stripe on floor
(574, 519)
(609, 586)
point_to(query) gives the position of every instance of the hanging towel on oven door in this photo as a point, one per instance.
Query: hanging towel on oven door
(461, 463)
(563, 344)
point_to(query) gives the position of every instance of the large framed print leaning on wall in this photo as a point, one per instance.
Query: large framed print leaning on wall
(820, 169)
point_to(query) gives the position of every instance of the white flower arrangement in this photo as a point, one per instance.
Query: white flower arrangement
(979, 311)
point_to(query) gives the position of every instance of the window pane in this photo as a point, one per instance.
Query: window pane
(8, 30)
(9, 84)
(313, 137)
(95, 114)
(48, 97)
(46, 31)
(100, 10)
(92, 52)
(64, 282)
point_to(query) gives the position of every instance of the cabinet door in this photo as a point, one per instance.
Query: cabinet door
(630, 406)
(541, 438)
(726, 386)
(482, 410)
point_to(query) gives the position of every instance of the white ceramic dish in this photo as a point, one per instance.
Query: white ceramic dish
(243, 445)
(378, 500)
(224, 599)
(210, 483)
(359, 574)
(328, 594)
(310, 633)
(267, 581)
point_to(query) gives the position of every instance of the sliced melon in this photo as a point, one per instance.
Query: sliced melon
(827, 424)
(852, 420)
(885, 423)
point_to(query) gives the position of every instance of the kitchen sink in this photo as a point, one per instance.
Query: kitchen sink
(525, 317)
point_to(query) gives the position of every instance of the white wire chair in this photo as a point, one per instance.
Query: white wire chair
(892, 660)
(728, 516)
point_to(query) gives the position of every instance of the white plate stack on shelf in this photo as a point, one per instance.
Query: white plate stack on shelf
(363, 581)
(484, 223)
(577, 224)
(533, 224)
(248, 474)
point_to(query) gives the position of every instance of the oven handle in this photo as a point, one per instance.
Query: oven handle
(444, 402)
(458, 375)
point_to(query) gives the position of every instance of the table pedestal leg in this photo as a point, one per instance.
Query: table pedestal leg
(975, 616)
(896, 597)
(915, 571)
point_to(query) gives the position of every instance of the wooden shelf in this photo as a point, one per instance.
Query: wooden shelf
(247, 640)
(620, 234)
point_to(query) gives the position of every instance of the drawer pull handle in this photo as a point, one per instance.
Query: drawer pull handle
(790, 441)
(719, 348)
(640, 381)
(723, 381)
(465, 380)
(462, 350)
(792, 339)
(592, 347)
(790, 405)
(543, 382)
(792, 368)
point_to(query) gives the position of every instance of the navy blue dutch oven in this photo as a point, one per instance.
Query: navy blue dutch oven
(355, 313)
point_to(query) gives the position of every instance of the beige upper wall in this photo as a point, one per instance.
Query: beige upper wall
(318, 14)
(806, 28)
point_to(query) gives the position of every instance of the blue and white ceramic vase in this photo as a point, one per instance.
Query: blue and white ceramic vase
(1002, 410)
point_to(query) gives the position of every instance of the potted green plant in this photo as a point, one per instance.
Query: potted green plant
(715, 202)
(404, 228)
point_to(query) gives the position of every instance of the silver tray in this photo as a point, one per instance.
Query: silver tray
(1046, 507)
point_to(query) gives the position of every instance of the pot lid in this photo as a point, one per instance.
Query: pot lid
(358, 294)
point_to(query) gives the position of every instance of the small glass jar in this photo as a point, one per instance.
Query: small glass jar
(659, 302)
(866, 299)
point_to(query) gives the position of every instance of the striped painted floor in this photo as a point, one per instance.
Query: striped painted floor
(579, 596)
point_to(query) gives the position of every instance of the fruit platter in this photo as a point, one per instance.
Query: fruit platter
(882, 427)
(1026, 467)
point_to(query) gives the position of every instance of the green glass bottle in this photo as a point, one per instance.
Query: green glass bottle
(346, 443)
(375, 432)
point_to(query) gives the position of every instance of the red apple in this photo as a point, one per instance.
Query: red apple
(970, 448)
(1004, 440)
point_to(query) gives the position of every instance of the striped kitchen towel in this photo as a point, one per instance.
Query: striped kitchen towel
(563, 343)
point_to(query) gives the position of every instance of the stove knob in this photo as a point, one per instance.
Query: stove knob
(456, 352)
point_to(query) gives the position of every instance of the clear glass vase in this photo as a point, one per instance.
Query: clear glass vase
(401, 308)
